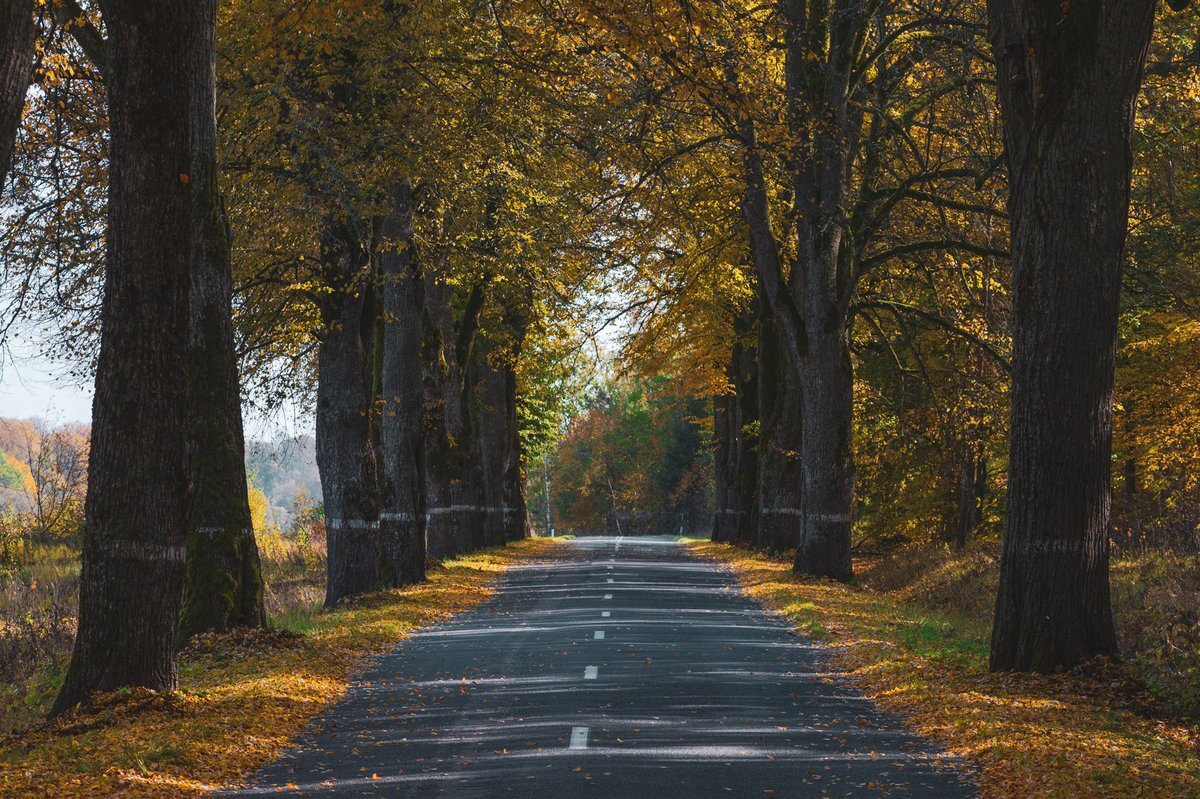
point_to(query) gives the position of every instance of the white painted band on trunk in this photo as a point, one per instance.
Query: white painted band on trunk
(215, 529)
(351, 524)
(835, 518)
(459, 509)
(143, 550)
(781, 511)
(1051, 546)
(579, 737)
(732, 512)
(591, 672)
(397, 516)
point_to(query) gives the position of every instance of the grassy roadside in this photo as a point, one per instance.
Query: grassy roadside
(1085, 734)
(242, 697)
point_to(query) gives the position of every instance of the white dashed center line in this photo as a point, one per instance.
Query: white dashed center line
(591, 672)
(608, 596)
(599, 635)
(604, 614)
(579, 736)
(610, 579)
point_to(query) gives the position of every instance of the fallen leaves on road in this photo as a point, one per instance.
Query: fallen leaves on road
(242, 697)
(1083, 735)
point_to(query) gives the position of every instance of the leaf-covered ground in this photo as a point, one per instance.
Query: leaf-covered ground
(241, 697)
(1090, 733)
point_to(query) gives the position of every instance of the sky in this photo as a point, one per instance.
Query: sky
(32, 386)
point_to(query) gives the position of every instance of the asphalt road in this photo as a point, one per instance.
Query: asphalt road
(622, 668)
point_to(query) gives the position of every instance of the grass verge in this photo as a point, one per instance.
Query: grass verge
(1091, 733)
(242, 697)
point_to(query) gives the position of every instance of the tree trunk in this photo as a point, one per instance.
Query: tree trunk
(16, 70)
(827, 455)
(724, 462)
(402, 522)
(810, 307)
(443, 422)
(780, 511)
(970, 491)
(736, 457)
(1069, 75)
(490, 405)
(139, 502)
(516, 509)
(345, 446)
(223, 587)
(455, 512)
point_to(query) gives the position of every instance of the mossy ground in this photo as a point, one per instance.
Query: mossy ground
(1090, 734)
(242, 697)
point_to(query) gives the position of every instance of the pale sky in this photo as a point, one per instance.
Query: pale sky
(31, 386)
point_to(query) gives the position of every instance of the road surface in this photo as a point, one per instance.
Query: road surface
(622, 668)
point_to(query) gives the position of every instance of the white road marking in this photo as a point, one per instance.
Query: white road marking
(591, 672)
(608, 596)
(599, 635)
(605, 614)
(579, 736)
(610, 579)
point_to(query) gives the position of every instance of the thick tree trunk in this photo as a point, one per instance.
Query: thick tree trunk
(780, 513)
(827, 455)
(16, 70)
(515, 508)
(724, 460)
(444, 425)
(402, 521)
(345, 445)
(139, 503)
(1069, 75)
(736, 457)
(490, 406)
(455, 514)
(224, 585)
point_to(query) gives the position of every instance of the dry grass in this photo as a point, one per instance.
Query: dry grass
(241, 697)
(1090, 734)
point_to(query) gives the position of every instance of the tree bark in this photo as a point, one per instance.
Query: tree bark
(139, 502)
(515, 508)
(491, 407)
(402, 522)
(16, 70)
(810, 307)
(344, 442)
(970, 482)
(736, 417)
(224, 585)
(780, 512)
(1069, 75)
(455, 511)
